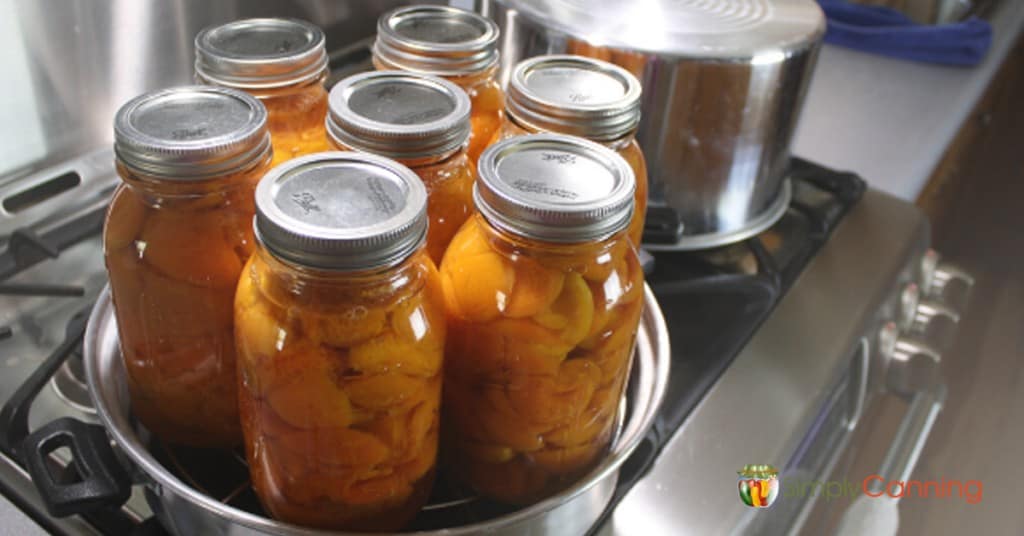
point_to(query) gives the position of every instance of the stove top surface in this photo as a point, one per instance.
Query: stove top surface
(713, 302)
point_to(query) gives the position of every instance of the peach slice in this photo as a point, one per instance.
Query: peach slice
(311, 399)
(336, 446)
(386, 391)
(631, 275)
(344, 328)
(529, 347)
(536, 287)
(258, 333)
(292, 361)
(612, 360)
(375, 491)
(424, 458)
(389, 353)
(405, 432)
(599, 269)
(574, 309)
(420, 319)
(188, 247)
(603, 309)
(478, 286)
(593, 423)
(469, 240)
(549, 401)
(620, 327)
(503, 428)
(422, 419)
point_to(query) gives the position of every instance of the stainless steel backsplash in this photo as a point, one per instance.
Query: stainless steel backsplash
(75, 62)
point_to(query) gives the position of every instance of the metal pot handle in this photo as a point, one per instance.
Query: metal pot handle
(93, 480)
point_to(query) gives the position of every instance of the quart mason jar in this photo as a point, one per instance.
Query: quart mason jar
(543, 293)
(339, 319)
(176, 237)
(282, 62)
(583, 97)
(420, 121)
(455, 44)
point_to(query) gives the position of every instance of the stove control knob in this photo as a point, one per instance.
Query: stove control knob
(936, 275)
(947, 273)
(929, 310)
(911, 365)
(909, 299)
(935, 322)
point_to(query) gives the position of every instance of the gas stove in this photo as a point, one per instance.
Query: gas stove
(778, 344)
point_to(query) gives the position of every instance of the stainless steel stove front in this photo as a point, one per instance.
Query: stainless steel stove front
(799, 387)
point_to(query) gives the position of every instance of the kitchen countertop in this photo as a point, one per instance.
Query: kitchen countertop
(891, 120)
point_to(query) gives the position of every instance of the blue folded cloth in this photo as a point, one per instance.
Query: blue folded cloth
(885, 31)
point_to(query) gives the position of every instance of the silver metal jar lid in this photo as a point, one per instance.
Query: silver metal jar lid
(574, 95)
(191, 132)
(260, 53)
(555, 188)
(341, 211)
(398, 114)
(438, 40)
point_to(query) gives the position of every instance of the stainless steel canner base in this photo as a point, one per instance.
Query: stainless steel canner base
(723, 238)
(185, 510)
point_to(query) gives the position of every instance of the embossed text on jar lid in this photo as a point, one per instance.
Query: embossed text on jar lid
(555, 188)
(341, 211)
(191, 132)
(399, 115)
(439, 40)
(574, 95)
(261, 53)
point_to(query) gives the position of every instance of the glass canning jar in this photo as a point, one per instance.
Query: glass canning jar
(177, 233)
(583, 97)
(282, 62)
(420, 121)
(339, 319)
(543, 294)
(455, 44)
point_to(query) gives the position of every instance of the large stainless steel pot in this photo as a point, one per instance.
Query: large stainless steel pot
(184, 510)
(723, 83)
